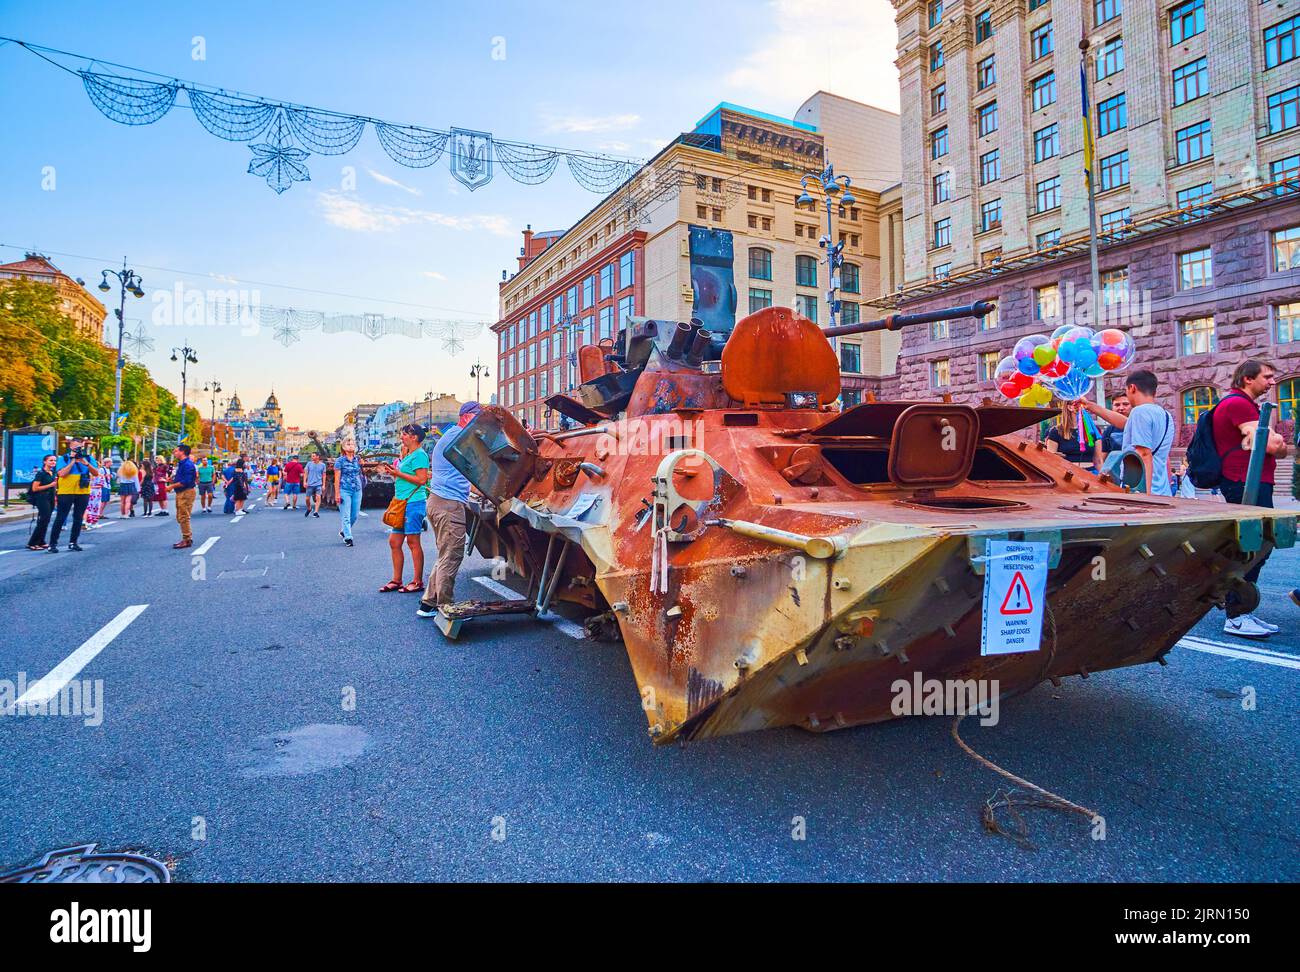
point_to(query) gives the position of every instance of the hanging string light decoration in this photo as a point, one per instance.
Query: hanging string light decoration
(452, 342)
(287, 323)
(292, 133)
(138, 342)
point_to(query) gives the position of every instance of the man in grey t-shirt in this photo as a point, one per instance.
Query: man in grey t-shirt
(1148, 429)
(315, 474)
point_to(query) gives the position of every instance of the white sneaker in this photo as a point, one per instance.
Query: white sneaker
(1271, 628)
(1245, 627)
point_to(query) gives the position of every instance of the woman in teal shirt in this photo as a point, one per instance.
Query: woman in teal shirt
(410, 483)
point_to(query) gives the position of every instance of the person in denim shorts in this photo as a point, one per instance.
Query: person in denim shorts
(410, 483)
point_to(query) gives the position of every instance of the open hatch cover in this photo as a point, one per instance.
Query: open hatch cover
(878, 419)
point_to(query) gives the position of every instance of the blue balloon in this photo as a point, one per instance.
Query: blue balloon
(1072, 385)
(1028, 366)
(1094, 370)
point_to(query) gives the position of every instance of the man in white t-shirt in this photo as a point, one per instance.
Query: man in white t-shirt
(1148, 429)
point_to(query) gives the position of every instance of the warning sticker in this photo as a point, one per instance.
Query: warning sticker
(1015, 585)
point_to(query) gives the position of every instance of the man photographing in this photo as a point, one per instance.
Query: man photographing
(184, 477)
(74, 471)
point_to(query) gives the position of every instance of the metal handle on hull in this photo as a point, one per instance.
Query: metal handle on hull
(821, 548)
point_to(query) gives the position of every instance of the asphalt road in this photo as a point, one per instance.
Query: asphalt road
(228, 746)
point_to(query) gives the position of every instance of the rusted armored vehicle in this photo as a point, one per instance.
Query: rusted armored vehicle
(770, 560)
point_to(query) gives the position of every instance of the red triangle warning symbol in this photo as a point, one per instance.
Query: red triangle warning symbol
(1018, 600)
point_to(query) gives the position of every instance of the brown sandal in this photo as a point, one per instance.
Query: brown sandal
(390, 587)
(415, 587)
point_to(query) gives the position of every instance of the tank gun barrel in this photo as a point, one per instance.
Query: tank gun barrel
(895, 321)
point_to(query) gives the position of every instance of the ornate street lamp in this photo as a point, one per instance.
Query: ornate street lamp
(478, 371)
(187, 357)
(129, 282)
(214, 387)
(830, 186)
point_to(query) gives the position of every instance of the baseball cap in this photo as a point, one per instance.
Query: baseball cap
(471, 408)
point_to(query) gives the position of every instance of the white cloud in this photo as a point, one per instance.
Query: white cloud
(224, 278)
(851, 54)
(390, 181)
(587, 124)
(433, 275)
(351, 213)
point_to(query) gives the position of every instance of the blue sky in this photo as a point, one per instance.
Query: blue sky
(617, 77)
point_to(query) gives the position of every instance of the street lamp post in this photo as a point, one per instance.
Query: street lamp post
(214, 387)
(188, 357)
(478, 371)
(129, 282)
(830, 185)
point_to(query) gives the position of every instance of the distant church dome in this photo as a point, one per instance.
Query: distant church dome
(234, 402)
(272, 401)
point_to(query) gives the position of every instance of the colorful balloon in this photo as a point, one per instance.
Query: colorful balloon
(1072, 386)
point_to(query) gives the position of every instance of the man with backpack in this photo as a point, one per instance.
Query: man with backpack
(1234, 422)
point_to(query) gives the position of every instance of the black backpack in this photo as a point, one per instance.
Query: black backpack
(1204, 461)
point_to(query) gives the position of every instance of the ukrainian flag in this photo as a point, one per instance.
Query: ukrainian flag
(1087, 121)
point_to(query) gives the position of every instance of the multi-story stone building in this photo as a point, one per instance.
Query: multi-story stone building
(1195, 111)
(75, 301)
(709, 229)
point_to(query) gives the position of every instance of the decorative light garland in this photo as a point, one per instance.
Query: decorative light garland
(285, 324)
(291, 132)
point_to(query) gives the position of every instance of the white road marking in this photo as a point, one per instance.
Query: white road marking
(237, 517)
(1213, 649)
(68, 669)
(207, 545)
(1251, 646)
(561, 624)
(3, 552)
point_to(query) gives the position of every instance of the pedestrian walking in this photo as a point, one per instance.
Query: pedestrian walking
(272, 481)
(448, 500)
(1235, 420)
(183, 481)
(75, 469)
(161, 475)
(348, 485)
(41, 494)
(410, 493)
(106, 486)
(239, 486)
(147, 488)
(292, 482)
(128, 487)
(1148, 428)
(315, 472)
(207, 486)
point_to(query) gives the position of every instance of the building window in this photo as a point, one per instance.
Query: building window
(1284, 110)
(625, 310)
(1195, 269)
(1047, 302)
(1114, 170)
(1112, 115)
(939, 99)
(942, 187)
(1286, 249)
(942, 232)
(1040, 41)
(1047, 194)
(940, 373)
(606, 323)
(758, 299)
(938, 330)
(760, 263)
(717, 218)
(987, 362)
(850, 313)
(1035, 4)
(936, 55)
(1279, 42)
(544, 322)
(1286, 399)
(934, 13)
(767, 220)
(1194, 195)
(1115, 220)
(942, 271)
(988, 115)
(589, 291)
(939, 143)
(607, 280)
(986, 72)
(851, 358)
(627, 270)
(752, 221)
(1114, 287)
(1196, 335)
(1191, 81)
(807, 306)
(990, 167)
(1050, 238)
(1110, 59)
(990, 215)
(1198, 400)
(983, 26)
(701, 212)
(850, 278)
(989, 322)
(1044, 90)
(1104, 11)
(1047, 142)
(1287, 168)
(753, 192)
(805, 271)
(571, 299)
(1194, 142)
(1186, 20)
(1286, 322)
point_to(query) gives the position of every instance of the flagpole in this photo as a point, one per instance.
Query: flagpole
(1098, 383)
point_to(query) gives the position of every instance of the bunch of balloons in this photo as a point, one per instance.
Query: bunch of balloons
(1063, 365)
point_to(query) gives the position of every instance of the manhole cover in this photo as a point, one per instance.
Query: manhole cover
(81, 865)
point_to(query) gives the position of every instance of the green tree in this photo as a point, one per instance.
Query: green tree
(29, 377)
